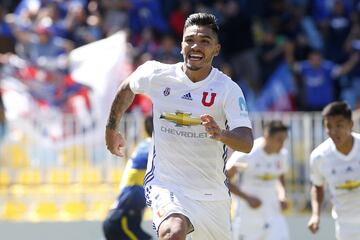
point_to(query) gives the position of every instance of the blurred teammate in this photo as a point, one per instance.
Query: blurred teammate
(124, 220)
(260, 192)
(336, 162)
(198, 111)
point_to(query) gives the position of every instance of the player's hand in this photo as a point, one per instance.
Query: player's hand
(211, 127)
(314, 223)
(253, 202)
(284, 204)
(114, 142)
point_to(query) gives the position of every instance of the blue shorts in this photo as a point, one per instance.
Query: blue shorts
(124, 221)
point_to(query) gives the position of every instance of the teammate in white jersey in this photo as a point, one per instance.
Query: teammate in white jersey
(260, 192)
(336, 163)
(197, 111)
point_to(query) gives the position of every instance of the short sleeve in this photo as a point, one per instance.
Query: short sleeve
(236, 109)
(236, 157)
(315, 175)
(285, 161)
(140, 79)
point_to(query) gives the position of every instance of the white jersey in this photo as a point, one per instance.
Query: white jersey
(184, 156)
(342, 175)
(258, 179)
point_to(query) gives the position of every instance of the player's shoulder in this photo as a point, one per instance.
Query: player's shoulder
(257, 146)
(224, 79)
(322, 150)
(356, 136)
(158, 66)
(284, 152)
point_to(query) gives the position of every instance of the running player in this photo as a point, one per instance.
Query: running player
(336, 163)
(260, 192)
(198, 111)
(124, 219)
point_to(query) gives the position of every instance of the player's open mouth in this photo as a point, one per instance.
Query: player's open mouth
(195, 57)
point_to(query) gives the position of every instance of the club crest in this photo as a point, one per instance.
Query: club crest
(167, 91)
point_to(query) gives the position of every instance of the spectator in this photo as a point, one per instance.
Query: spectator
(168, 51)
(116, 15)
(338, 29)
(239, 46)
(317, 79)
(2, 120)
(6, 37)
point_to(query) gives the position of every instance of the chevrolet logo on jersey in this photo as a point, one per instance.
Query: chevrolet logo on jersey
(181, 119)
(266, 177)
(349, 185)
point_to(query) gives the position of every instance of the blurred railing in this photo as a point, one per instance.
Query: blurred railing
(56, 167)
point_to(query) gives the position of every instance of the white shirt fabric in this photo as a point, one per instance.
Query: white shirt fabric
(184, 156)
(258, 179)
(342, 175)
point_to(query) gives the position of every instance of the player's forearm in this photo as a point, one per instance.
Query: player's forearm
(236, 191)
(121, 102)
(281, 188)
(317, 197)
(240, 139)
(347, 66)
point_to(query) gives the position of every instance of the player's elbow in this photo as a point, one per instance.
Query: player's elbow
(244, 139)
(248, 146)
(248, 142)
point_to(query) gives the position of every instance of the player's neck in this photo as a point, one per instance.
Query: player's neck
(269, 149)
(197, 75)
(347, 146)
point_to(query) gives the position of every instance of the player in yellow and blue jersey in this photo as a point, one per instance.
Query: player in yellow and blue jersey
(124, 219)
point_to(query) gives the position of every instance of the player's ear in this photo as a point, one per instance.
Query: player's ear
(217, 49)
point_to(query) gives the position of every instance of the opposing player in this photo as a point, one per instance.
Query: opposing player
(198, 111)
(336, 163)
(124, 219)
(260, 192)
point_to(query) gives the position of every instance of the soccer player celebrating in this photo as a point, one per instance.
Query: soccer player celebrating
(198, 111)
(260, 193)
(336, 162)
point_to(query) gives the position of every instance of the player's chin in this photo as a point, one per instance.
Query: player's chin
(193, 67)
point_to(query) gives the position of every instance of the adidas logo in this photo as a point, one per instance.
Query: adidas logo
(187, 96)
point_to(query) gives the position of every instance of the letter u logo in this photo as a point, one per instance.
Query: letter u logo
(205, 101)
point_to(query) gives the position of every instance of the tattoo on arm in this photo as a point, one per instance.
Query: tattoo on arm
(112, 123)
(122, 101)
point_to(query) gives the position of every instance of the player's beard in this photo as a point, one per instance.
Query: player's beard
(192, 68)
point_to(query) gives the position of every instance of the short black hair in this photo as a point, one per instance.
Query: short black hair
(275, 126)
(148, 124)
(202, 19)
(337, 108)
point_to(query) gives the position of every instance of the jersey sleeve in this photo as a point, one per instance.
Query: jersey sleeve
(236, 109)
(140, 79)
(285, 161)
(315, 175)
(236, 157)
